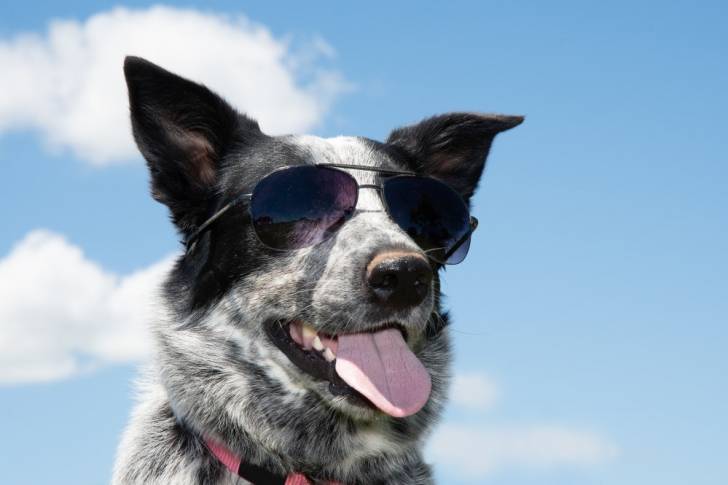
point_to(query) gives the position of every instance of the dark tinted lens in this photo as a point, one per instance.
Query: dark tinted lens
(433, 214)
(301, 206)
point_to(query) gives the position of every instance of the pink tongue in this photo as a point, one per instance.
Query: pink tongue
(381, 367)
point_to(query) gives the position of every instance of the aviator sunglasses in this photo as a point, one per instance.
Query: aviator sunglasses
(300, 206)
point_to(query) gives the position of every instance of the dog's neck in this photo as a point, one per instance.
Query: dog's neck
(253, 473)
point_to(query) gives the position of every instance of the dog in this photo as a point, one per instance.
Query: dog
(319, 358)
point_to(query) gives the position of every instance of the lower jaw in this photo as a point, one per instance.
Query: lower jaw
(314, 366)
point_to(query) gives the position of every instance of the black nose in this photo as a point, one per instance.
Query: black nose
(399, 279)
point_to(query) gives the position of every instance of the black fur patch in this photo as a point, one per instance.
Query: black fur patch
(452, 147)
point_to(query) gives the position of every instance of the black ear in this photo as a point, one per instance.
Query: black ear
(453, 147)
(183, 129)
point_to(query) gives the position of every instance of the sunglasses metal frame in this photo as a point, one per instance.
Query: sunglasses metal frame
(191, 241)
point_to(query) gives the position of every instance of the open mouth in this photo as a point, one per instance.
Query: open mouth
(374, 368)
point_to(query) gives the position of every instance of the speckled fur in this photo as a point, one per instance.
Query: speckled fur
(216, 373)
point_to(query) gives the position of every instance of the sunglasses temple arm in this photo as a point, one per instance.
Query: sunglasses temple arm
(461, 241)
(383, 170)
(205, 225)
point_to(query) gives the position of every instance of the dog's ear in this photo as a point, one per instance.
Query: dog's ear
(453, 147)
(182, 129)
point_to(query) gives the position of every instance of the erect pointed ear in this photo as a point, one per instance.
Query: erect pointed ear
(183, 130)
(453, 147)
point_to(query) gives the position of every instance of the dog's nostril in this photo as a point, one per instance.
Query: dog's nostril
(387, 281)
(400, 279)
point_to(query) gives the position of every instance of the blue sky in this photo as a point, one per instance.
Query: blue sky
(590, 318)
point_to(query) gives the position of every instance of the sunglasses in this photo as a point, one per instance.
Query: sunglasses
(300, 206)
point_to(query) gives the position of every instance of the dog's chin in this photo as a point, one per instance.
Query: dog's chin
(314, 355)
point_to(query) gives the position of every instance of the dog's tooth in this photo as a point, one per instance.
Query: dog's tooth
(308, 335)
(308, 331)
(317, 344)
(329, 355)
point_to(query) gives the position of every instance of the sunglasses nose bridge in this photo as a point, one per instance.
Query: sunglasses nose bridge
(370, 198)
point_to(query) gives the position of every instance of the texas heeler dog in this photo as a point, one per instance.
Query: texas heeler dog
(302, 338)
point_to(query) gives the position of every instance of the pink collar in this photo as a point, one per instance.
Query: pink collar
(253, 473)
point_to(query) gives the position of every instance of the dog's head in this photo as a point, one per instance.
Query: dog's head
(249, 346)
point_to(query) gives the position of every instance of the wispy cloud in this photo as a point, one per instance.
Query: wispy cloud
(68, 83)
(474, 391)
(479, 449)
(61, 314)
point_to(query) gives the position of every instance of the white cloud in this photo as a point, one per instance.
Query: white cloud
(68, 83)
(61, 314)
(474, 391)
(479, 451)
